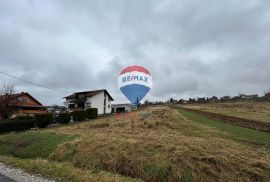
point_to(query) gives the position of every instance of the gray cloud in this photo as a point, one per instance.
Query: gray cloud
(191, 48)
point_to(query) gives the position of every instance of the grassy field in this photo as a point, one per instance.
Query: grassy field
(241, 133)
(249, 110)
(31, 144)
(166, 144)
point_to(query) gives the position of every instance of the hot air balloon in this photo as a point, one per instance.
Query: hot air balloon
(135, 82)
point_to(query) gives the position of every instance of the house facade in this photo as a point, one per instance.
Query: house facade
(116, 108)
(251, 96)
(24, 104)
(99, 99)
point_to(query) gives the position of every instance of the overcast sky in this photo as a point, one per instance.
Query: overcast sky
(192, 48)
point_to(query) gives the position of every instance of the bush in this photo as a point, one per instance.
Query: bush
(64, 118)
(92, 113)
(43, 120)
(79, 115)
(19, 123)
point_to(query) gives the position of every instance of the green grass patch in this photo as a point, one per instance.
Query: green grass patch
(31, 144)
(239, 133)
(187, 175)
(158, 171)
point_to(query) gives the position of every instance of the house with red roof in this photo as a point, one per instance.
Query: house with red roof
(24, 104)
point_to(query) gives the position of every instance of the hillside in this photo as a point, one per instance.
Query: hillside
(166, 144)
(248, 110)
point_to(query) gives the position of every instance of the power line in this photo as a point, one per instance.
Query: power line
(32, 83)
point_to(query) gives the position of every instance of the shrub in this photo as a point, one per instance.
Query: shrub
(64, 118)
(19, 123)
(43, 120)
(79, 115)
(92, 113)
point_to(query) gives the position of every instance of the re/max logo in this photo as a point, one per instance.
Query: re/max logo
(134, 78)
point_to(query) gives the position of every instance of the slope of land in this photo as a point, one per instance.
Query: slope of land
(249, 110)
(166, 144)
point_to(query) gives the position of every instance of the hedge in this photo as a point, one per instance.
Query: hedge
(64, 118)
(19, 123)
(43, 120)
(22, 123)
(79, 115)
(92, 113)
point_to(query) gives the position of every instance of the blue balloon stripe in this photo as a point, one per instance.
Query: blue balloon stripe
(135, 92)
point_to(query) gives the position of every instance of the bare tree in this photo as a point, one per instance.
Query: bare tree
(6, 101)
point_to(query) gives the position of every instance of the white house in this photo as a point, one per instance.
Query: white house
(99, 99)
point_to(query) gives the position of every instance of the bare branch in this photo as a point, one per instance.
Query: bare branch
(6, 101)
(7, 89)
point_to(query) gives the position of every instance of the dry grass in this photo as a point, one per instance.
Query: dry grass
(164, 146)
(249, 110)
(63, 171)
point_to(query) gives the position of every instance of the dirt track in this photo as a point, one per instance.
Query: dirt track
(252, 124)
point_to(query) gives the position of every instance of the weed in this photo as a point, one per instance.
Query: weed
(158, 171)
(186, 175)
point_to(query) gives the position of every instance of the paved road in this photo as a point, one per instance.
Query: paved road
(5, 179)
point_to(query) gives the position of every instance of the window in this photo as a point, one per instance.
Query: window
(24, 100)
(80, 96)
(109, 106)
(88, 104)
(71, 106)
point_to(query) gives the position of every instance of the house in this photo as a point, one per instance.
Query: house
(99, 99)
(213, 99)
(245, 96)
(236, 98)
(201, 100)
(225, 98)
(267, 95)
(24, 104)
(116, 108)
(55, 110)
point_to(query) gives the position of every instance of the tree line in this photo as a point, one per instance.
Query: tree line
(213, 99)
